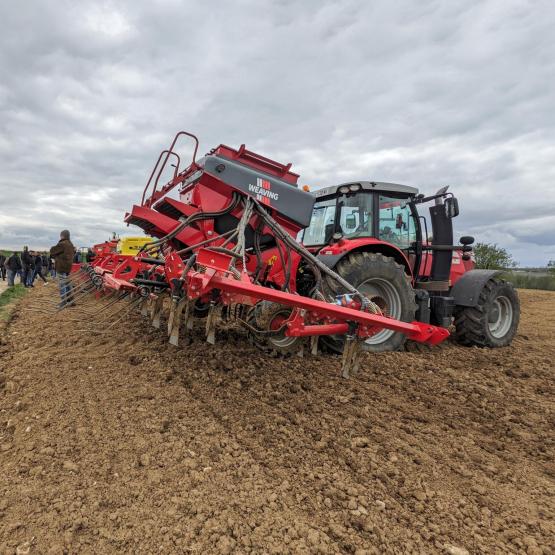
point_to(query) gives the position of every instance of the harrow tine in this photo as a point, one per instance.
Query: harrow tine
(110, 310)
(171, 316)
(145, 306)
(82, 312)
(132, 305)
(156, 311)
(113, 299)
(214, 314)
(68, 300)
(178, 308)
(75, 281)
(351, 355)
(189, 318)
(74, 290)
(314, 345)
(104, 319)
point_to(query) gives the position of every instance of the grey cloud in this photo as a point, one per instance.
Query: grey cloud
(425, 93)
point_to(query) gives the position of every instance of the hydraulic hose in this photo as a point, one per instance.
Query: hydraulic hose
(366, 303)
(184, 222)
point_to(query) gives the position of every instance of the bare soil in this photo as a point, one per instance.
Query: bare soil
(117, 442)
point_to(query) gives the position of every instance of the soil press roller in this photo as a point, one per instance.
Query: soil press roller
(349, 268)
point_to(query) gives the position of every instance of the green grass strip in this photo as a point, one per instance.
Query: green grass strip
(8, 299)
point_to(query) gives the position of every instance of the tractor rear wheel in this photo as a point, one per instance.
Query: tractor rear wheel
(493, 321)
(384, 282)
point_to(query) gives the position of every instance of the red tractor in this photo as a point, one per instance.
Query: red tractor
(372, 234)
(351, 267)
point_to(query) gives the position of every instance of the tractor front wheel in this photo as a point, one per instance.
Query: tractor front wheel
(493, 321)
(385, 283)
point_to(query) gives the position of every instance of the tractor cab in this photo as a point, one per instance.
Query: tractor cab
(363, 210)
(383, 217)
(366, 215)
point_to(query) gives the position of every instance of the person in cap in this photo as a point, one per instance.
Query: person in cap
(27, 267)
(63, 253)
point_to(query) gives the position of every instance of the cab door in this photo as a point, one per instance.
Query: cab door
(396, 225)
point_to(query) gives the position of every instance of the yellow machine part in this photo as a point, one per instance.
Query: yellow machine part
(132, 245)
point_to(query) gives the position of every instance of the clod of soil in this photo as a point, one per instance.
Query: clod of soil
(112, 440)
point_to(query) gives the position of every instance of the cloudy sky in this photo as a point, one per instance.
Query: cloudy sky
(421, 92)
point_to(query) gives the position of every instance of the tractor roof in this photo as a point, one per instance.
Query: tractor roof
(379, 186)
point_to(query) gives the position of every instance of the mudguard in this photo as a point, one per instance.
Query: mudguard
(468, 287)
(331, 260)
(332, 254)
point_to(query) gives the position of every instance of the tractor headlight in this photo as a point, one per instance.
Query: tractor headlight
(355, 187)
(344, 189)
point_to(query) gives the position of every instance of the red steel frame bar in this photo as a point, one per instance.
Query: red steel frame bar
(217, 264)
(414, 330)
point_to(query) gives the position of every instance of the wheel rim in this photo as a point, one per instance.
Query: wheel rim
(384, 294)
(500, 317)
(282, 341)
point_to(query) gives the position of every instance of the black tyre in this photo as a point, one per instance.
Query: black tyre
(200, 309)
(384, 282)
(493, 322)
(267, 316)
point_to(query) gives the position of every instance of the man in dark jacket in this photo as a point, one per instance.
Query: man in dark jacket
(63, 253)
(2, 267)
(38, 269)
(13, 265)
(27, 264)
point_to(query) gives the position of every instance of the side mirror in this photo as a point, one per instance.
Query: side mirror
(451, 207)
(350, 221)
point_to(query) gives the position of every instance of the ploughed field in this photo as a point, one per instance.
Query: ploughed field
(114, 441)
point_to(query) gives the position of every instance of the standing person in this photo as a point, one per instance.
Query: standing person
(26, 267)
(50, 267)
(45, 268)
(20, 271)
(12, 265)
(31, 274)
(63, 253)
(38, 269)
(3, 267)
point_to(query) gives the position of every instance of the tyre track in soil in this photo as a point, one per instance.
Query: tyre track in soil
(221, 449)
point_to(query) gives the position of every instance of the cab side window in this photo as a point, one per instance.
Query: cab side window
(396, 224)
(355, 215)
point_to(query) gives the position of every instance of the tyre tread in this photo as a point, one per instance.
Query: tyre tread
(470, 322)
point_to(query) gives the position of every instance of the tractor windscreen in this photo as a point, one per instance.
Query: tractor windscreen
(350, 215)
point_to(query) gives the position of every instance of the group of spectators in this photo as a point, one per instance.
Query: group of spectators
(28, 265)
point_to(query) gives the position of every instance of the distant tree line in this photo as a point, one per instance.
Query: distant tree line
(493, 257)
(489, 256)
